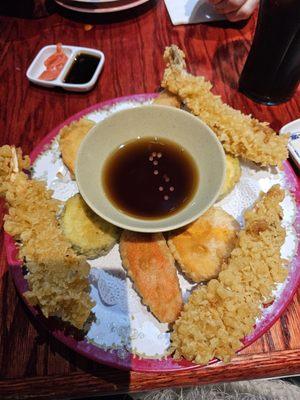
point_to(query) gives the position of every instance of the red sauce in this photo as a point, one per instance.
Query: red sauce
(54, 64)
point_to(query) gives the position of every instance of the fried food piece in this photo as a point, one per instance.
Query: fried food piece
(150, 265)
(165, 98)
(58, 278)
(201, 247)
(233, 174)
(218, 316)
(71, 137)
(89, 234)
(11, 161)
(241, 135)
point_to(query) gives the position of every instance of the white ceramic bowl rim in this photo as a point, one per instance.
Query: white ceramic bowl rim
(119, 218)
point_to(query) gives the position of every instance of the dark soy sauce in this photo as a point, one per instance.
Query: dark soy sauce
(150, 178)
(82, 69)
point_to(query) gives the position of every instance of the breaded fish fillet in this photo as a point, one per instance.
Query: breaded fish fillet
(241, 135)
(89, 234)
(201, 247)
(58, 278)
(151, 266)
(70, 139)
(218, 316)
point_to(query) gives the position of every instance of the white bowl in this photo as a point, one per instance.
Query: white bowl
(160, 121)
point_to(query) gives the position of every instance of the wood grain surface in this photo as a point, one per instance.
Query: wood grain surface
(33, 364)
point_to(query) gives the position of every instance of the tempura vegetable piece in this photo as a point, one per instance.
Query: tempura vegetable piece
(165, 98)
(58, 278)
(70, 139)
(150, 265)
(89, 234)
(218, 316)
(202, 247)
(241, 135)
(233, 174)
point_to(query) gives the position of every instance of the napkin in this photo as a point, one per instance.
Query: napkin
(191, 11)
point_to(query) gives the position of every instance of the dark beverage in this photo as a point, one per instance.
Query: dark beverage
(272, 70)
(150, 178)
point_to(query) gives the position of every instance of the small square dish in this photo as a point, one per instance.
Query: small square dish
(293, 128)
(78, 71)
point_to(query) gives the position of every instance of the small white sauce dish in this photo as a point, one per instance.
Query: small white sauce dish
(37, 67)
(293, 129)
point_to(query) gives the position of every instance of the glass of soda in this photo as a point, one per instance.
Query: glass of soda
(272, 70)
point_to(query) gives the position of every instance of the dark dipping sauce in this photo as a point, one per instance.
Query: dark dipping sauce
(82, 69)
(150, 178)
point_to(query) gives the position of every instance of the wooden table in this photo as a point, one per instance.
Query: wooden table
(32, 363)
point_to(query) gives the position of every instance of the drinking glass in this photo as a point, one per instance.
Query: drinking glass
(272, 70)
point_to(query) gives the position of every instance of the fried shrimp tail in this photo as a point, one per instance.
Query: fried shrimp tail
(58, 278)
(241, 135)
(150, 265)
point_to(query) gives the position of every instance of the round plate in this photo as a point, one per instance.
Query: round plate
(77, 4)
(87, 2)
(104, 8)
(119, 359)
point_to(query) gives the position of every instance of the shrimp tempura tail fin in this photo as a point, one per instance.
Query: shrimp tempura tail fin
(175, 57)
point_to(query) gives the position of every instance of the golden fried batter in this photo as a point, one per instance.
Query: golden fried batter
(58, 278)
(150, 265)
(241, 135)
(71, 137)
(165, 98)
(233, 174)
(89, 234)
(218, 316)
(201, 247)
(11, 161)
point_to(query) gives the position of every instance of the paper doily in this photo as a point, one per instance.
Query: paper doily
(122, 321)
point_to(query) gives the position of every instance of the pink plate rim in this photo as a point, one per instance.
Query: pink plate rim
(129, 362)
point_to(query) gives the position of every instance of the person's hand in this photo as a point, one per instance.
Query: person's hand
(235, 10)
